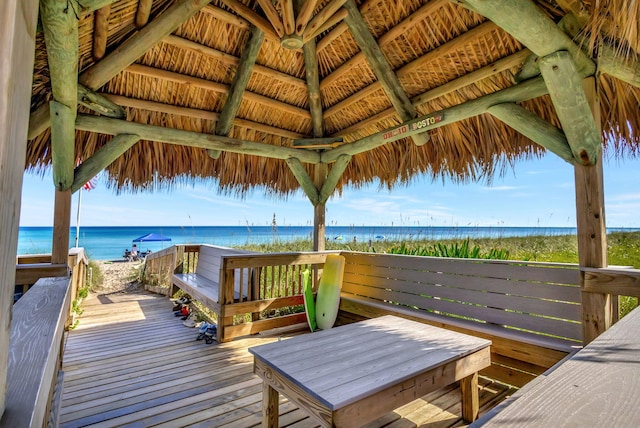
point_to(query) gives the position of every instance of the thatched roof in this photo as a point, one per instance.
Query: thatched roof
(442, 54)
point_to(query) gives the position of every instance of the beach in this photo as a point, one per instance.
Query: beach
(117, 277)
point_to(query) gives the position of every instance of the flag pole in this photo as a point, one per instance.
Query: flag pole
(78, 216)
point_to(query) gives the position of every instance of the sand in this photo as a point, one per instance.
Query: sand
(118, 277)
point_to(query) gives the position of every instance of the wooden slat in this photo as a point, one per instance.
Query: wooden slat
(34, 357)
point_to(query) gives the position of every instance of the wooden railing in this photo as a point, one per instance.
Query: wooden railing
(35, 350)
(32, 267)
(271, 296)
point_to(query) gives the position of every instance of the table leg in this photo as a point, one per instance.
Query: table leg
(470, 405)
(270, 406)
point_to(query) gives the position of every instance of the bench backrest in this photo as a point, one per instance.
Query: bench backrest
(210, 261)
(541, 298)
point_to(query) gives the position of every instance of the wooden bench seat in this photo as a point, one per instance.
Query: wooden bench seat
(530, 311)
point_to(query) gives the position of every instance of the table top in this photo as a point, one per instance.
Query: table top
(596, 387)
(344, 364)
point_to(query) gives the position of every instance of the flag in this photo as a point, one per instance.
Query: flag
(89, 185)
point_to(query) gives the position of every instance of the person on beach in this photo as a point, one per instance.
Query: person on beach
(134, 252)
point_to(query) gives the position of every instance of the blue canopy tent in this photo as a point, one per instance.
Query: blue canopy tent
(151, 237)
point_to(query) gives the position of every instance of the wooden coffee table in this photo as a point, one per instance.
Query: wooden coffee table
(350, 375)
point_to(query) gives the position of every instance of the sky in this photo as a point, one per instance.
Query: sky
(536, 193)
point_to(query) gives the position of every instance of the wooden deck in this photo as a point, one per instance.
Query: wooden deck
(130, 362)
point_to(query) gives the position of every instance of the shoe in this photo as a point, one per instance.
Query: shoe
(203, 327)
(190, 321)
(177, 307)
(185, 311)
(210, 334)
(182, 301)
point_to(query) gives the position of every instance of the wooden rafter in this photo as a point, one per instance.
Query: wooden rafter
(99, 104)
(272, 15)
(528, 24)
(198, 114)
(565, 87)
(143, 12)
(304, 15)
(533, 88)
(90, 6)
(214, 86)
(340, 15)
(233, 60)
(100, 31)
(449, 87)
(341, 28)
(255, 19)
(240, 81)
(313, 85)
(105, 125)
(102, 159)
(325, 14)
(288, 16)
(381, 67)
(239, 84)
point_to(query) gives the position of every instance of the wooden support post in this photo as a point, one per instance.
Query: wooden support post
(303, 178)
(61, 224)
(319, 210)
(570, 101)
(469, 392)
(102, 158)
(60, 26)
(100, 32)
(270, 406)
(597, 309)
(17, 43)
(381, 67)
(535, 128)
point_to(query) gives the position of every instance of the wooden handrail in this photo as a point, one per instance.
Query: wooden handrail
(35, 348)
(617, 281)
(30, 273)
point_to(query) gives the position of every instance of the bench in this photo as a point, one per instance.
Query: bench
(204, 284)
(530, 311)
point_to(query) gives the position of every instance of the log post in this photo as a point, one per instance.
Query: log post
(319, 210)
(61, 224)
(17, 43)
(597, 308)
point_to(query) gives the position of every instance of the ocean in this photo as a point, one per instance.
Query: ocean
(109, 243)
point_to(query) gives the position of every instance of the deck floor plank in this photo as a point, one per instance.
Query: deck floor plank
(131, 362)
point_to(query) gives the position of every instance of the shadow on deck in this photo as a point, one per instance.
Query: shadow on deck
(132, 362)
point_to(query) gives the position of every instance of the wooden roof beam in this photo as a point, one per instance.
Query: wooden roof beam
(313, 88)
(101, 72)
(102, 159)
(324, 15)
(199, 114)
(468, 79)
(99, 104)
(439, 52)
(381, 68)
(535, 128)
(105, 125)
(625, 69)
(60, 26)
(288, 16)
(301, 175)
(239, 84)
(304, 15)
(100, 31)
(524, 91)
(341, 28)
(272, 15)
(249, 15)
(89, 6)
(143, 12)
(329, 185)
(340, 15)
(530, 26)
(569, 98)
(220, 88)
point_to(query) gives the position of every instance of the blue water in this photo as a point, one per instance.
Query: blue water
(109, 243)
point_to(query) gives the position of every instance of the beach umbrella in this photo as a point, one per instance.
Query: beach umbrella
(152, 237)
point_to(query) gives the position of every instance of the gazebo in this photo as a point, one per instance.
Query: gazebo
(314, 95)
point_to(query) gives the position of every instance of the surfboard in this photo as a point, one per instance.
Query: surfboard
(309, 304)
(328, 300)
